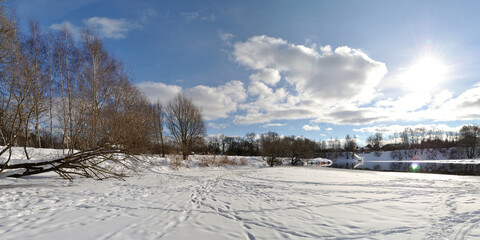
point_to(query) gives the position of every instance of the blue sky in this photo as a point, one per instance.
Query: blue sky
(318, 69)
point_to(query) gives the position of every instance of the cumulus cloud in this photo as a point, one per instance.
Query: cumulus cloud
(286, 114)
(316, 80)
(344, 74)
(463, 107)
(109, 27)
(389, 129)
(329, 129)
(215, 102)
(323, 84)
(159, 92)
(268, 76)
(353, 116)
(441, 106)
(311, 127)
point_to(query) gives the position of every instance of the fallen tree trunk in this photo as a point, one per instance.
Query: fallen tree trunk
(97, 163)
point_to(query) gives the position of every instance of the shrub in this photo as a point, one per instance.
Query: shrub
(175, 161)
(207, 161)
(223, 160)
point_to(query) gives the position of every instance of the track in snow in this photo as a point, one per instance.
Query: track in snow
(248, 203)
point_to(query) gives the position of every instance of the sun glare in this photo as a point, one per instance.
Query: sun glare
(425, 75)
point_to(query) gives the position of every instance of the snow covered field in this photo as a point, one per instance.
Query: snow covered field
(243, 203)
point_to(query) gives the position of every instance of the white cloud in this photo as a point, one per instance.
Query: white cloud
(329, 129)
(157, 91)
(215, 102)
(442, 97)
(345, 74)
(269, 76)
(285, 114)
(324, 84)
(463, 107)
(226, 37)
(441, 106)
(389, 129)
(104, 27)
(209, 18)
(74, 30)
(259, 89)
(196, 16)
(319, 80)
(109, 27)
(275, 125)
(217, 125)
(311, 128)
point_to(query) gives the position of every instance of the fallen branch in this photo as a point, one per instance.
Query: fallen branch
(94, 163)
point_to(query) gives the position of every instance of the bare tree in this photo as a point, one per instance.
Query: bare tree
(97, 79)
(185, 123)
(6, 34)
(350, 143)
(272, 148)
(67, 67)
(375, 141)
(127, 118)
(50, 79)
(17, 84)
(35, 54)
(158, 124)
(469, 139)
(298, 149)
(7, 55)
(99, 104)
(252, 144)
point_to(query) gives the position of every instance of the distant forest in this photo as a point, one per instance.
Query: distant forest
(462, 144)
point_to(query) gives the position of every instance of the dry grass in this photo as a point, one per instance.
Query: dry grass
(243, 161)
(175, 161)
(208, 161)
(217, 161)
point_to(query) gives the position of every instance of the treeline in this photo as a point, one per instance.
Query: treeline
(465, 142)
(405, 144)
(270, 145)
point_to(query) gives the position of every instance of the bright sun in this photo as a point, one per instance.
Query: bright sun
(424, 75)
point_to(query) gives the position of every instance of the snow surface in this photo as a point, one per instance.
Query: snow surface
(249, 202)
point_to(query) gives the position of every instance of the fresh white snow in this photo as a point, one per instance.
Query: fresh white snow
(249, 202)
